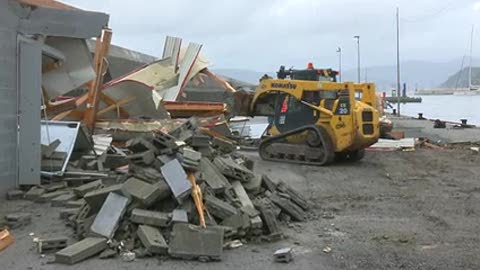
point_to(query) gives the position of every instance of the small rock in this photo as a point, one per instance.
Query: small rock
(284, 255)
(128, 256)
(327, 249)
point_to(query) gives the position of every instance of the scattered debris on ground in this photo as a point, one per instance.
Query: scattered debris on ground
(181, 193)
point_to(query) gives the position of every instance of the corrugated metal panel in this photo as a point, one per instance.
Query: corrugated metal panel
(8, 99)
(184, 71)
(172, 50)
(75, 72)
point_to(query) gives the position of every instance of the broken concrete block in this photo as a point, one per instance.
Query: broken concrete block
(284, 255)
(165, 143)
(153, 218)
(268, 184)
(96, 198)
(295, 196)
(152, 239)
(139, 144)
(68, 212)
(213, 177)
(191, 242)
(179, 216)
(289, 207)
(270, 220)
(15, 194)
(190, 154)
(63, 199)
(223, 145)
(55, 186)
(17, 220)
(48, 150)
(34, 193)
(51, 165)
(47, 197)
(233, 170)
(256, 222)
(146, 157)
(139, 190)
(254, 185)
(81, 250)
(176, 179)
(51, 244)
(106, 221)
(84, 189)
(75, 204)
(200, 140)
(242, 195)
(240, 221)
(219, 208)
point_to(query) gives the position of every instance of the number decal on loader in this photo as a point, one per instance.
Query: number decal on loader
(343, 107)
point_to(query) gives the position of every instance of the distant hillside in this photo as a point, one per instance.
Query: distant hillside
(460, 79)
(420, 74)
(249, 76)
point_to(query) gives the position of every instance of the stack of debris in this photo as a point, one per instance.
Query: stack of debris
(137, 199)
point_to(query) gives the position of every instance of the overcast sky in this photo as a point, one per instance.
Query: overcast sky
(261, 35)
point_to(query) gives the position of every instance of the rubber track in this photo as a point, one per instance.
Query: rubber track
(326, 146)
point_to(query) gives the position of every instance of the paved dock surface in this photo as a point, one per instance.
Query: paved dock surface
(392, 210)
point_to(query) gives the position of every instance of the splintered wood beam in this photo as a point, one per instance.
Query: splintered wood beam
(110, 101)
(72, 114)
(101, 51)
(117, 105)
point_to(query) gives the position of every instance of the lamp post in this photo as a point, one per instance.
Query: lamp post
(398, 63)
(339, 51)
(358, 57)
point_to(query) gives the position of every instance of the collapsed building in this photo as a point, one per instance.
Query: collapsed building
(137, 151)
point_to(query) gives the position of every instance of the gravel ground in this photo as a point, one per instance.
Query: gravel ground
(393, 210)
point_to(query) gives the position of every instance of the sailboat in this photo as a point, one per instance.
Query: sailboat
(472, 90)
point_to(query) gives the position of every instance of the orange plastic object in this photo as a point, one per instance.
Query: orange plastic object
(6, 239)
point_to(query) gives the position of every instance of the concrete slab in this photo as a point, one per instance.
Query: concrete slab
(106, 221)
(81, 250)
(179, 216)
(34, 193)
(212, 176)
(142, 191)
(152, 239)
(15, 194)
(153, 218)
(63, 199)
(218, 208)
(176, 179)
(190, 242)
(51, 244)
(84, 189)
(96, 198)
(47, 197)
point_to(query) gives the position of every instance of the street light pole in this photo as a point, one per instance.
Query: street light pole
(398, 63)
(358, 55)
(339, 51)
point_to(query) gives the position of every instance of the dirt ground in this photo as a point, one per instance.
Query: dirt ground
(393, 210)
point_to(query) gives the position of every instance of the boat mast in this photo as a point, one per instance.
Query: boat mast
(470, 64)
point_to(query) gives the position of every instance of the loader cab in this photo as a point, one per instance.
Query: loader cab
(308, 74)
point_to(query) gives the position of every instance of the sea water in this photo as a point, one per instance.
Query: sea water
(450, 108)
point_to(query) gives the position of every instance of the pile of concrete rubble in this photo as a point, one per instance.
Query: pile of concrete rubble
(137, 199)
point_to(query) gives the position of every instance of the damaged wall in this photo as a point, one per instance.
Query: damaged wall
(20, 81)
(8, 97)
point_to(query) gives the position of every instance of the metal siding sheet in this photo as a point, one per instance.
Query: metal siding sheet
(185, 67)
(30, 66)
(75, 72)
